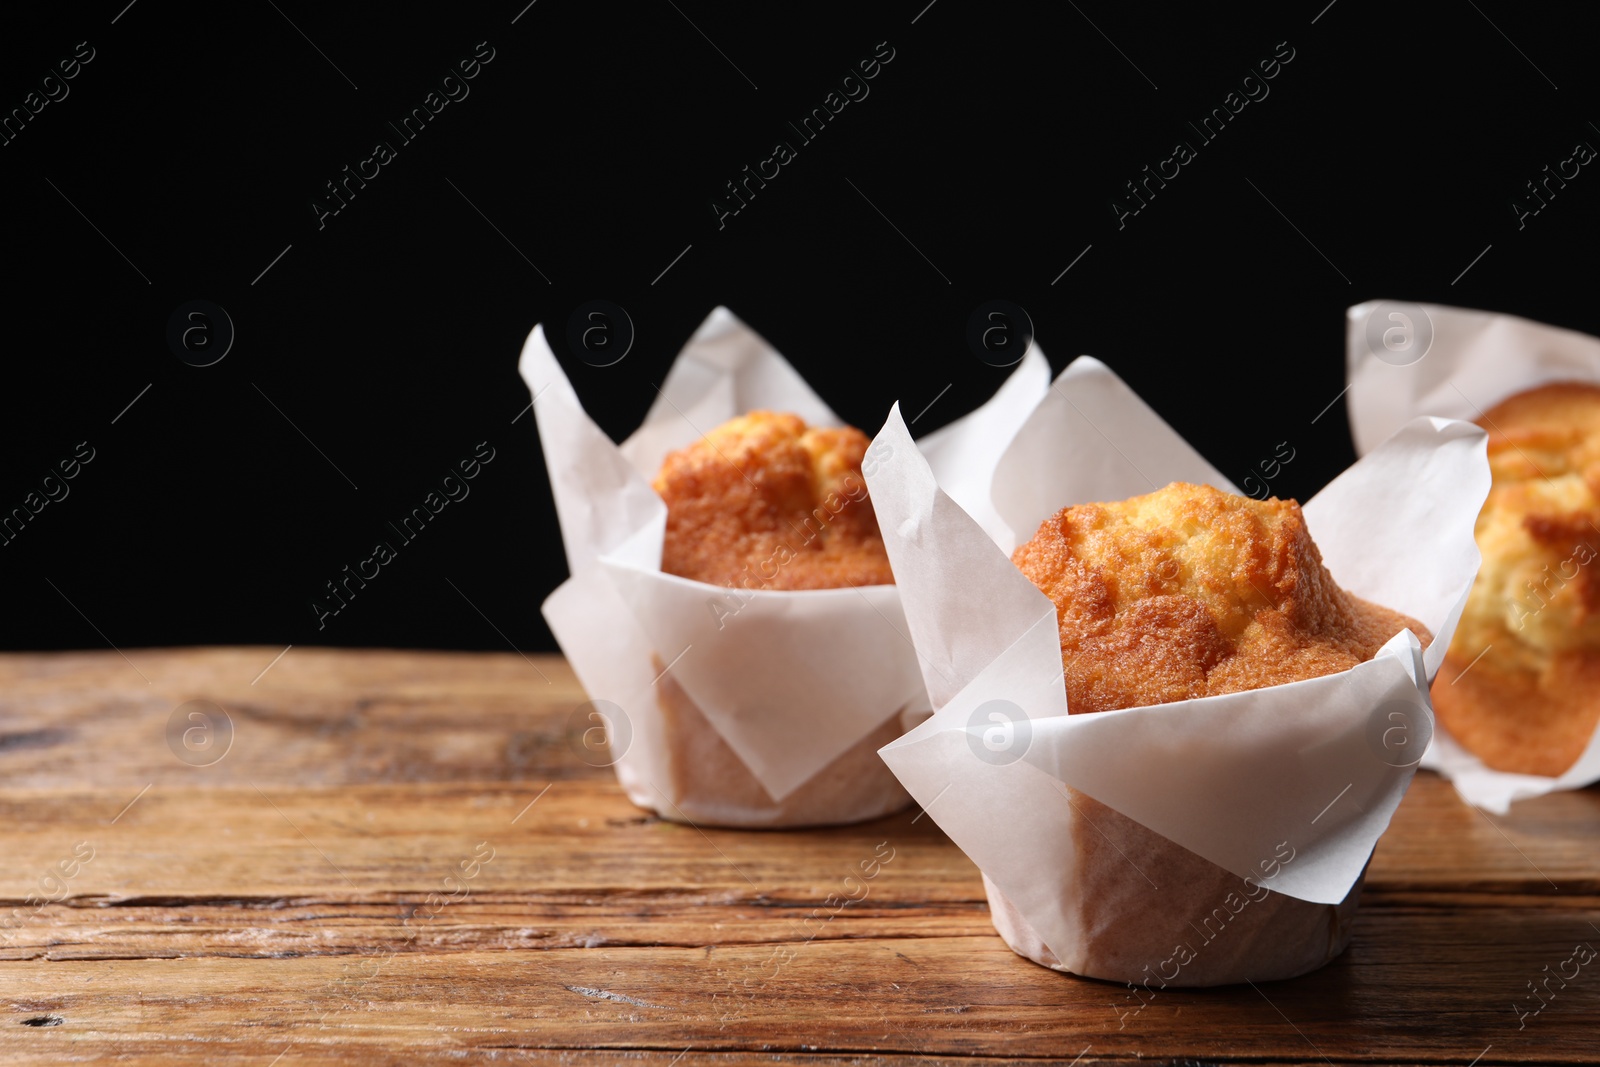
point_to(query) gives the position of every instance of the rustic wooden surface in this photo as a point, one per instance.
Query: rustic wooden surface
(274, 907)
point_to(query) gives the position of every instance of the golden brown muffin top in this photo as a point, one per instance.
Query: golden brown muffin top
(1537, 594)
(1190, 592)
(765, 502)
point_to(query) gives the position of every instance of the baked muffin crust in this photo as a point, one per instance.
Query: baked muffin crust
(1190, 592)
(1531, 702)
(765, 502)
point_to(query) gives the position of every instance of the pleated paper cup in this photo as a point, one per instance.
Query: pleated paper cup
(1198, 842)
(730, 707)
(1405, 360)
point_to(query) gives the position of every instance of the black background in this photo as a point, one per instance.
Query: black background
(196, 139)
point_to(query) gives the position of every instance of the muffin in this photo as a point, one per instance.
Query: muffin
(1184, 593)
(1520, 683)
(766, 503)
(1192, 592)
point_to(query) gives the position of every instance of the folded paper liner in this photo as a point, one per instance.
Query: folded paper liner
(1474, 360)
(791, 681)
(1228, 777)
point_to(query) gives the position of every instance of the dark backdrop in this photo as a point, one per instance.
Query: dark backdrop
(376, 347)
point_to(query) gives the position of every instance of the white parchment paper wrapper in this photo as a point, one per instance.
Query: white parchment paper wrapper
(1227, 777)
(1474, 360)
(789, 680)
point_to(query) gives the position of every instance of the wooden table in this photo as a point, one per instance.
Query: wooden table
(274, 906)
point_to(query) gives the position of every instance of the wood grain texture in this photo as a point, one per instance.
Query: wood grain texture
(362, 879)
